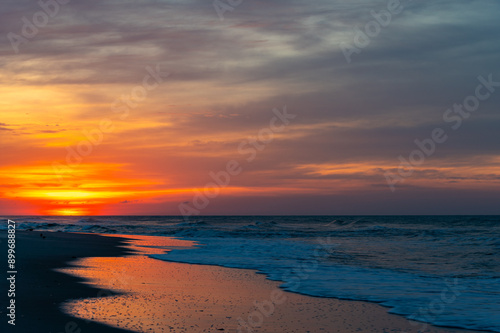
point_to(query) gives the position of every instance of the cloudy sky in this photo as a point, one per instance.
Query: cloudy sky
(129, 107)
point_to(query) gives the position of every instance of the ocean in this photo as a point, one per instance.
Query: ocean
(442, 270)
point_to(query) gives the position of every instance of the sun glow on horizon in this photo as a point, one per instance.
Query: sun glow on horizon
(146, 118)
(70, 212)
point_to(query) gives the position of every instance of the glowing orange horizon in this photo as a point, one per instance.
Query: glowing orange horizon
(147, 163)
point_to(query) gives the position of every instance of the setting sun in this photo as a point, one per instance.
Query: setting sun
(69, 212)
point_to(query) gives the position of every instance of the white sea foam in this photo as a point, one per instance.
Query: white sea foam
(441, 270)
(465, 302)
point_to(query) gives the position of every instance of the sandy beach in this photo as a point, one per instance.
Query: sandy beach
(114, 289)
(40, 290)
(250, 166)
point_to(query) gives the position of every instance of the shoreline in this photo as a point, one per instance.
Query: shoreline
(40, 289)
(153, 288)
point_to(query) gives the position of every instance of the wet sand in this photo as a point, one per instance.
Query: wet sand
(40, 290)
(163, 296)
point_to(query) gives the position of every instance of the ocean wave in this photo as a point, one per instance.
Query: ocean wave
(400, 262)
(303, 271)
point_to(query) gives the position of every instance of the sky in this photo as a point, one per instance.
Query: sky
(194, 107)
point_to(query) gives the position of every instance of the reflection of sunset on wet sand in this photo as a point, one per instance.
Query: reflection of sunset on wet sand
(250, 166)
(174, 297)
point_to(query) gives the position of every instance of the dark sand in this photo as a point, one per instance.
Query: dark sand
(40, 290)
